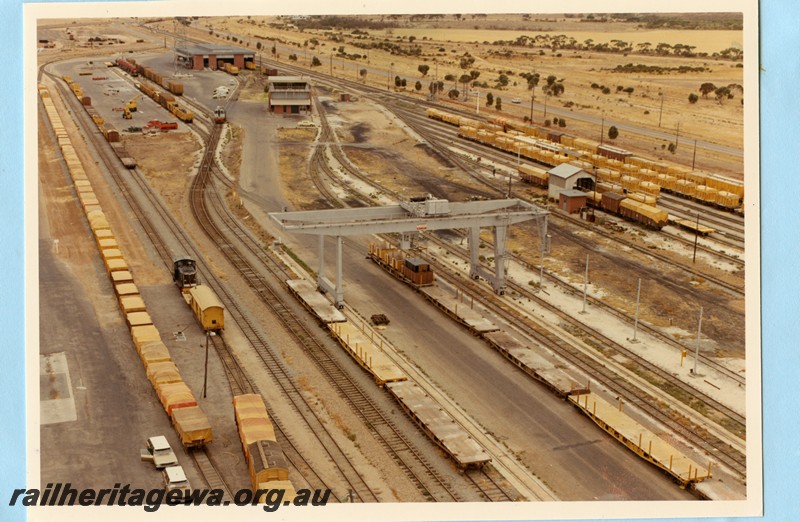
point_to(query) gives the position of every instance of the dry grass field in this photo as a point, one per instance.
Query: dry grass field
(652, 91)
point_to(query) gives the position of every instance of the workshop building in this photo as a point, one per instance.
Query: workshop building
(207, 56)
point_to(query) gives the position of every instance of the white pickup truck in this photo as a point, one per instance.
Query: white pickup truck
(159, 452)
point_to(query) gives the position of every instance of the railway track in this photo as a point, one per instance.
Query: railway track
(609, 377)
(356, 483)
(374, 418)
(596, 302)
(240, 383)
(211, 474)
(487, 482)
(386, 432)
(731, 420)
(422, 125)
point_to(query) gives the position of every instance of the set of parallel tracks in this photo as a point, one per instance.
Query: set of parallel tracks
(420, 126)
(735, 459)
(200, 456)
(416, 467)
(607, 376)
(732, 420)
(239, 381)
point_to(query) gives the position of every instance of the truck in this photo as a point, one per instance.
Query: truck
(159, 452)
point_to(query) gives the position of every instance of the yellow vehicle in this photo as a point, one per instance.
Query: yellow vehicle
(126, 114)
(132, 105)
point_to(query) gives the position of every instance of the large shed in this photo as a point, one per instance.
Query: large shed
(567, 177)
(201, 56)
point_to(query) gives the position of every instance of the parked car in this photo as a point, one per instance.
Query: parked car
(175, 478)
(516, 100)
(159, 452)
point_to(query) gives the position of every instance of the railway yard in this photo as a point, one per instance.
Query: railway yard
(594, 355)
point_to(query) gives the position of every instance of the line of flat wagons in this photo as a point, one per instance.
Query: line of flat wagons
(625, 429)
(437, 424)
(188, 419)
(611, 164)
(266, 464)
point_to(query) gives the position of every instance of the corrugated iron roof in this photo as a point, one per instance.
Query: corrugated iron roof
(565, 170)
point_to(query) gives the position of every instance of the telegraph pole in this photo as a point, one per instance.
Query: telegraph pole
(697, 344)
(585, 284)
(636, 320)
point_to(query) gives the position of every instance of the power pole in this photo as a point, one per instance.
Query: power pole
(661, 110)
(636, 319)
(602, 127)
(697, 344)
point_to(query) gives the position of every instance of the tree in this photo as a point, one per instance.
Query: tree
(258, 45)
(315, 62)
(363, 74)
(533, 80)
(721, 93)
(628, 90)
(465, 79)
(693, 97)
(489, 99)
(613, 132)
(449, 77)
(707, 88)
(418, 85)
(398, 81)
(474, 74)
(562, 122)
(498, 103)
(293, 57)
(453, 94)
(502, 80)
(274, 49)
(423, 69)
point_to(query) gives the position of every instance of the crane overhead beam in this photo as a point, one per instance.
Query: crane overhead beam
(418, 214)
(403, 218)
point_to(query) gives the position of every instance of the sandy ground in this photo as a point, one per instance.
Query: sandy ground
(391, 155)
(578, 69)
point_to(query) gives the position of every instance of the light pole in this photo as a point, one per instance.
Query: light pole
(697, 345)
(532, 98)
(545, 106)
(662, 109)
(477, 101)
(205, 372)
(602, 127)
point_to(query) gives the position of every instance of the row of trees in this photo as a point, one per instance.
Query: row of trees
(722, 93)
